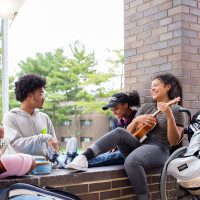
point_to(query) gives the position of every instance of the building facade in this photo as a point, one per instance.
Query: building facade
(89, 129)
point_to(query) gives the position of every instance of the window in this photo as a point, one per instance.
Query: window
(86, 122)
(65, 139)
(67, 123)
(86, 139)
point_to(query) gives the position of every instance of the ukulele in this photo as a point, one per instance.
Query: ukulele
(142, 130)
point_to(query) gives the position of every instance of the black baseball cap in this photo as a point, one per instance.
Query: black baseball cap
(115, 99)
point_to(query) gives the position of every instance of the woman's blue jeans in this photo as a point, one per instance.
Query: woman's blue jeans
(107, 159)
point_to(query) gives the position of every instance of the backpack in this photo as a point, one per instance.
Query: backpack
(194, 146)
(22, 191)
(186, 169)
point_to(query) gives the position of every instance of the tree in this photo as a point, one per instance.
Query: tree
(13, 103)
(1, 110)
(0, 49)
(68, 80)
(77, 75)
(117, 64)
(116, 59)
(45, 65)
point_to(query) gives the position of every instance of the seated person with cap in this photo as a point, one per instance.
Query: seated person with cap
(120, 105)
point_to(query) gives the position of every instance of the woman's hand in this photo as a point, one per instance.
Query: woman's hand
(148, 120)
(165, 109)
(173, 131)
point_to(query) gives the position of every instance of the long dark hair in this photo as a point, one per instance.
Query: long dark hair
(175, 90)
(133, 99)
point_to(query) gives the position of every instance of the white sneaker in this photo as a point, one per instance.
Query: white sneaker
(79, 163)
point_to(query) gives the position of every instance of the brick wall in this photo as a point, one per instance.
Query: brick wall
(163, 36)
(97, 183)
(110, 182)
(119, 188)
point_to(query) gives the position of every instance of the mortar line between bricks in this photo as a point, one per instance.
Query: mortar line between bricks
(98, 191)
(90, 182)
(153, 175)
(112, 189)
(126, 196)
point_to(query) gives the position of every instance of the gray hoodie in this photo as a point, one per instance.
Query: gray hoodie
(25, 132)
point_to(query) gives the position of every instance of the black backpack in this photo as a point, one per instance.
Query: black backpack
(195, 123)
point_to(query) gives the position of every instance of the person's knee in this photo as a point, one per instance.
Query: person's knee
(119, 131)
(132, 162)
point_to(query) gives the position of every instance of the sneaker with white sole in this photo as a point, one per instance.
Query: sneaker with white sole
(53, 157)
(79, 163)
(71, 150)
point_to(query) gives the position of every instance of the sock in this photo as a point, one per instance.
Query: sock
(88, 154)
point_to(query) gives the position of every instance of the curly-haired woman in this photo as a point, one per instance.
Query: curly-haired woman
(153, 151)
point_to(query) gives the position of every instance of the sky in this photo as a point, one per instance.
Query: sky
(45, 25)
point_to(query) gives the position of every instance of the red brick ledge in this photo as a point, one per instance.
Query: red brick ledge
(63, 176)
(97, 183)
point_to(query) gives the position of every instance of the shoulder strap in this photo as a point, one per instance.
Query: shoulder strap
(4, 194)
(61, 192)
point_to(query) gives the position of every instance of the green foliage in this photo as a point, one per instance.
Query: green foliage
(69, 81)
(0, 49)
(1, 110)
(117, 64)
(48, 65)
(93, 106)
(12, 100)
(43, 65)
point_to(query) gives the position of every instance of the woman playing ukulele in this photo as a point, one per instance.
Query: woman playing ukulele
(154, 150)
